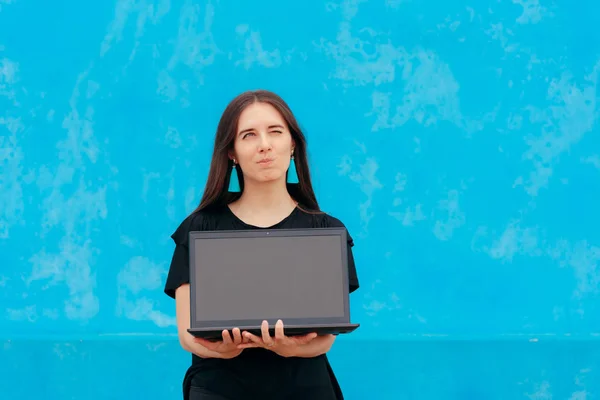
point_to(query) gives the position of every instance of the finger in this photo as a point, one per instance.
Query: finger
(311, 336)
(237, 336)
(246, 339)
(265, 334)
(279, 335)
(250, 338)
(226, 337)
(248, 345)
(306, 338)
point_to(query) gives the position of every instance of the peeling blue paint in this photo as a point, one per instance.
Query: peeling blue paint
(459, 142)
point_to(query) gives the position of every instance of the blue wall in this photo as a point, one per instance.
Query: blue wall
(458, 142)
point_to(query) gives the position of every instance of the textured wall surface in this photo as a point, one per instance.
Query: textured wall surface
(458, 141)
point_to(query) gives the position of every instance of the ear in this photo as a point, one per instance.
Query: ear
(231, 155)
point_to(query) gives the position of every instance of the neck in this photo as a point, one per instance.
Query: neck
(268, 197)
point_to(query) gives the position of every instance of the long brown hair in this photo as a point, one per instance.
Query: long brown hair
(216, 192)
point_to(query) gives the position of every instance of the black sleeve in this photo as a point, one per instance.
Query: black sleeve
(352, 275)
(179, 271)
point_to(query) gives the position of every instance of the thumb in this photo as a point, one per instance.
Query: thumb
(308, 338)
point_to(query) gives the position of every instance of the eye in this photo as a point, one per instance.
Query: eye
(247, 134)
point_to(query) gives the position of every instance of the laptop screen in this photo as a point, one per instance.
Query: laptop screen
(269, 276)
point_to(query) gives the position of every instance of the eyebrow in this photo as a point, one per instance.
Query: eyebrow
(270, 127)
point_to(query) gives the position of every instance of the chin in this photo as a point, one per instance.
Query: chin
(270, 176)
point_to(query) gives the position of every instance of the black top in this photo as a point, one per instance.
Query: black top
(255, 369)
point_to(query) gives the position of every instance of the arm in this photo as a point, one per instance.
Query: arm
(182, 301)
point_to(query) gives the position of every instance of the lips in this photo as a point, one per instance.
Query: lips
(266, 161)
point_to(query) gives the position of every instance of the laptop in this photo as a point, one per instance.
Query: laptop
(240, 278)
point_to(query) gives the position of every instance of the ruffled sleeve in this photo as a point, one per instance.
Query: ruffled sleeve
(333, 222)
(179, 270)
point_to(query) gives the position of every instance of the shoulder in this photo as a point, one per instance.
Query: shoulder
(196, 221)
(323, 219)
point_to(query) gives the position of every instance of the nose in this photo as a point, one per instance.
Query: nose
(264, 144)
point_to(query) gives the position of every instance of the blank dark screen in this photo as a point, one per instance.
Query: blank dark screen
(269, 277)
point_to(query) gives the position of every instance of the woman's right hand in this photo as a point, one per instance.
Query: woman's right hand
(227, 347)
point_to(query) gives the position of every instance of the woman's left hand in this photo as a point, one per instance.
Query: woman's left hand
(285, 346)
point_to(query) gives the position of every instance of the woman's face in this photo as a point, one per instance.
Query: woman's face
(263, 144)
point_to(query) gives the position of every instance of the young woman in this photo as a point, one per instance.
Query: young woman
(258, 178)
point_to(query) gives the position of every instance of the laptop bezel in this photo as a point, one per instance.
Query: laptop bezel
(266, 232)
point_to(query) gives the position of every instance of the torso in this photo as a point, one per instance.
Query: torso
(260, 369)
